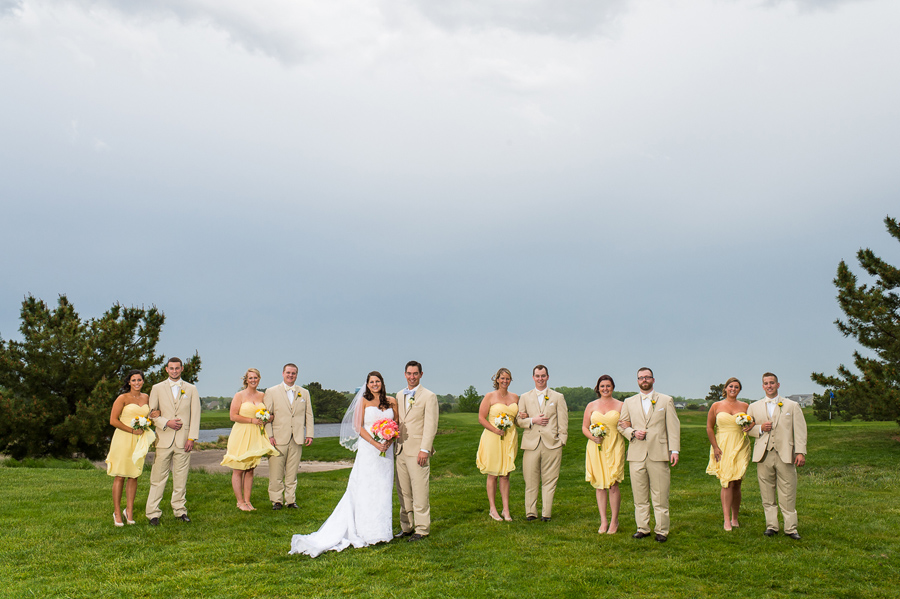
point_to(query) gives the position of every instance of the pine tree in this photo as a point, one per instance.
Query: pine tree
(873, 318)
(58, 384)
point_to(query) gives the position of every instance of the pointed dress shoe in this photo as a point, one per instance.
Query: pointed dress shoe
(770, 532)
(530, 518)
(403, 533)
(154, 521)
(792, 535)
(640, 535)
(277, 505)
(661, 538)
(183, 518)
(292, 506)
(415, 537)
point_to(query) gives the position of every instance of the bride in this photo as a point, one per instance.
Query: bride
(364, 514)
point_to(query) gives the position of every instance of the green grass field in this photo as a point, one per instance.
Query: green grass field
(57, 537)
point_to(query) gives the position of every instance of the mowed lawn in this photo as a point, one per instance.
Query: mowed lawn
(57, 537)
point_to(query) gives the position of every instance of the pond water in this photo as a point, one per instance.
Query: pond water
(213, 434)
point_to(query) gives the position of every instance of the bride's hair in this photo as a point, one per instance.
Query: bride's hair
(383, 403)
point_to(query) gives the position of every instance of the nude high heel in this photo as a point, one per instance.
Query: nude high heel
(116, 522)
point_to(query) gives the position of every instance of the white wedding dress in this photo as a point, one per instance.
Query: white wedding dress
(364, 516)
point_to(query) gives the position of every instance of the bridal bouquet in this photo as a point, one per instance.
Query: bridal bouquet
(141, 422)
(385, 430)
(599, 430)
(503, 421)
(264, 415)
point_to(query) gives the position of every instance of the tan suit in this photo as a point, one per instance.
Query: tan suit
(774, 454)
(170, 453)
(418, 426)
(648, 459)
(292, 423)
(542, 447)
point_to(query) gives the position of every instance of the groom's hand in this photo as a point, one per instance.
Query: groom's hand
(423, 458)
(174, 424)
(540, 420)
(188, 445)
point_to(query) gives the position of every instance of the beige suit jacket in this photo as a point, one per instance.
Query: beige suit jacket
(662, 426)
(186, 407)
(418, 424)
(788, 434)
(556, 432)
(289, 420)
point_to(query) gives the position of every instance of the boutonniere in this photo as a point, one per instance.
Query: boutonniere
(653, 402)
(412, 400)
(780, 404)
(181, 392)
(546, 396)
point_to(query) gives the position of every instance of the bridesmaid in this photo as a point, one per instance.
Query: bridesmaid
(605, 457)
(729, 453)
(120, 462)
(496, 455)
(247, 443)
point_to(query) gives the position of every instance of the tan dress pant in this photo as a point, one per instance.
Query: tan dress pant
(179, 461)
(283, 472)
(774, 474)
(650, 481)
(413, 491)
(540, 469)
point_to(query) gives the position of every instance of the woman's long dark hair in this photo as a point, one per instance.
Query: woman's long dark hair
(383, 403)
(126, 386)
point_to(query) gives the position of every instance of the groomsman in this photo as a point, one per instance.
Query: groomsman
(780, 446)
(649, 422)
(177, 427)
(419, 412)
(291, 428)
(544, 436)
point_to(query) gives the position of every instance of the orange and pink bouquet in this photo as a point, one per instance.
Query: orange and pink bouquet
(385, 430)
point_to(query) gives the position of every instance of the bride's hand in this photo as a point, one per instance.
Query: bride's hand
(383, 446)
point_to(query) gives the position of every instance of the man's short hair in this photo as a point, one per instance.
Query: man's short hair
(415, 364)
(771, 374)
(290, 364)
(540, 367)
(650, 370)
(174, 359)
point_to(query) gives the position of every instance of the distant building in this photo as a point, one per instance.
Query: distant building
(805, 400)
(680, 405)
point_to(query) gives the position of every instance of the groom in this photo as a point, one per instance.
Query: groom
(177, 427)
(419, 411)
(780, 447)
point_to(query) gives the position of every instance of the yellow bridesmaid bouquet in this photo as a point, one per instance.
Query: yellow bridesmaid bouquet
(599, 430)
(503, 421)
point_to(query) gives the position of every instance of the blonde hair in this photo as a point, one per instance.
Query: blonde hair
(496, 377)
(249, 370)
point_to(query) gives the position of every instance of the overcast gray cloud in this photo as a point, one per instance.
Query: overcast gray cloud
(348, 184)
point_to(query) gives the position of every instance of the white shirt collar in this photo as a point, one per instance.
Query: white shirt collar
(286, 386)
(174, 383)
(414, 389)
(544, 393)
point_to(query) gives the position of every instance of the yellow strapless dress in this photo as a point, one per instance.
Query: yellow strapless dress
(497, 456)
(127, 450)
(604, 464)
(247, 443)
(735, 448)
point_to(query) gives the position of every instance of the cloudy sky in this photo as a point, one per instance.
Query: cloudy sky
(596, 185)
